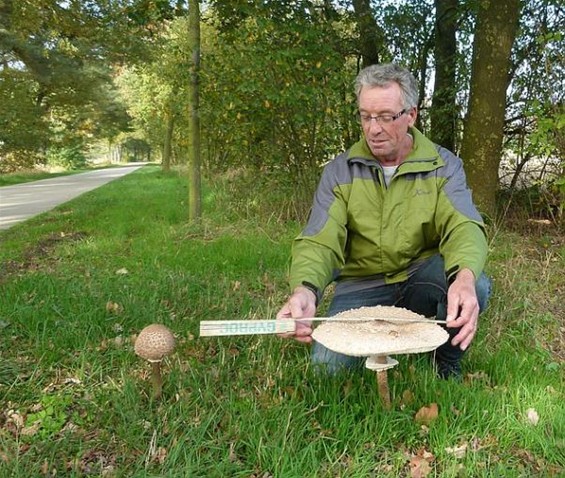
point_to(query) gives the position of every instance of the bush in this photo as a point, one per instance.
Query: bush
(68, 157)
(12, 161)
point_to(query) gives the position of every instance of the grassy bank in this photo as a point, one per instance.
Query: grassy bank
(78, 283)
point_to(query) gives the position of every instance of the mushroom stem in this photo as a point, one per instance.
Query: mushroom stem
(382, 382)
(156, 379)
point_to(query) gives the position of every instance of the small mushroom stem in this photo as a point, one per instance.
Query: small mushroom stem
(156, 379)
(382, 383)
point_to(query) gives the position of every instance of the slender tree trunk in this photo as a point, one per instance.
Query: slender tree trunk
(497, 25)
(167, 144)
(443, 113)
(370, 35)
(195, 189)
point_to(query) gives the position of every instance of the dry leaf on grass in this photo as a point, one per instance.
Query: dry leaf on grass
(114, 308)
(427, 414)
(419, 467)
(420, 463)
(532, 416)
(457, 451)
(160, 455)
(407, 398)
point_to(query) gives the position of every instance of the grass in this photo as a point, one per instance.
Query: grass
(79, 282)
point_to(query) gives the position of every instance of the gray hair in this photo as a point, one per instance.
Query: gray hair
(385, 74)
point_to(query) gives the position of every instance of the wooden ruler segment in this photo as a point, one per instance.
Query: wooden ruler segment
(210, 328)
(213, 328)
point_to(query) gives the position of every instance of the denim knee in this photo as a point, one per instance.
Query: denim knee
(326, 360)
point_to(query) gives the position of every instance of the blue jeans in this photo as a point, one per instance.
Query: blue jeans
(425, 293)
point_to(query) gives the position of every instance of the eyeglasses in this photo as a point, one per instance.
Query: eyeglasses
(381, 119)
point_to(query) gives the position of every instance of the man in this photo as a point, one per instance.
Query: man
(393, 223)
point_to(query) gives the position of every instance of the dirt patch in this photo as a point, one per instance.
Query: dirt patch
(39, 255)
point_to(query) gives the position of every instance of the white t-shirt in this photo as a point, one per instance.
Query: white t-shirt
(389, 173)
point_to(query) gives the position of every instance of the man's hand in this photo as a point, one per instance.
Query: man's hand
(302, 303)
(463, 308)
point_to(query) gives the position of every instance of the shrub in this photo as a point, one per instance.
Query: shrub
(68, 157)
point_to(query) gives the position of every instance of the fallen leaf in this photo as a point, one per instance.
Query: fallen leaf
(457, 451)
(15, 418)
(31, 430)
(160, 456)
(113, 307)
(419, 467)
(427, 414)
(123, 271)
(232, 454)
(407, 398)
(480, 443)
(532, 416)
(478, 376)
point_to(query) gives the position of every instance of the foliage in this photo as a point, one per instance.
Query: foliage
(276, 95)
(535, 128)
(276, 100)
(54, 68)
(67, 157)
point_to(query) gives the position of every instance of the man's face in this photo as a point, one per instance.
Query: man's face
(387, 141)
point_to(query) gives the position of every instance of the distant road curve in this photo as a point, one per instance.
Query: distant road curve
(22, 201)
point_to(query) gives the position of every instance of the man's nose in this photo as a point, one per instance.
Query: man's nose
(374, 124)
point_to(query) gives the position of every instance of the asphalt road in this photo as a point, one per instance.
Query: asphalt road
(22, 201)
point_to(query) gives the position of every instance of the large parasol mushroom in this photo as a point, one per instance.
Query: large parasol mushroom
(377, 338)
(153, 344)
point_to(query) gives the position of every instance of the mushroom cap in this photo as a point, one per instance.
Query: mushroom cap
(373, 364)
(154, 342)
(379, 337)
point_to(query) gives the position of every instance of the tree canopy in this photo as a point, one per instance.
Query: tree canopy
(276, 96)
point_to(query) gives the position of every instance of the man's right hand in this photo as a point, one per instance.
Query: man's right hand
(302, 303)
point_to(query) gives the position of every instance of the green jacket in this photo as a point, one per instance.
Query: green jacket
(359, 229)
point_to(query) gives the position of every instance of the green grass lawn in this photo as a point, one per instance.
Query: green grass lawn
(78, 283)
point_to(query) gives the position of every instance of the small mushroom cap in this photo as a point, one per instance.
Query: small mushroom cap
(379, 337)
(373, 364)
(154, 342)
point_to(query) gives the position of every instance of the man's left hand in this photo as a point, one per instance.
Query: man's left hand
(463, 308)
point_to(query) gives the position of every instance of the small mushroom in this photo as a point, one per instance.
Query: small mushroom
(153, 344)
(376, 339)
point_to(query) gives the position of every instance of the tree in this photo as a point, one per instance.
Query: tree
(371, 38)
(497, 25)
(443, 114)
(57, 60)
(195, 191)
(535, 129)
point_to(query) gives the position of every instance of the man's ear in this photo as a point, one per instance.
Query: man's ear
(412, 114)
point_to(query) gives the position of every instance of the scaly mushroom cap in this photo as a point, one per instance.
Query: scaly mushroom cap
(154, 342)
(379, 337)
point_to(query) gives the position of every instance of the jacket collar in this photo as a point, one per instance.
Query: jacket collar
(424, 155)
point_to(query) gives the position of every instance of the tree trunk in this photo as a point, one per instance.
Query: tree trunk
(195, 189)
(370, 35)
(443, 113)
(497, 25)
(167, 144)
